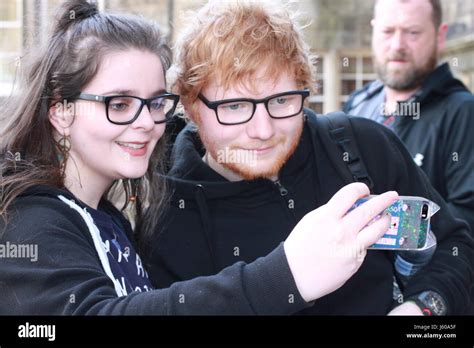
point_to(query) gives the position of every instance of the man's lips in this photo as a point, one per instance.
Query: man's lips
(261, 150)
(398, 61)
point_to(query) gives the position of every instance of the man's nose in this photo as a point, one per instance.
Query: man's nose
(398, 41)
(261, 125)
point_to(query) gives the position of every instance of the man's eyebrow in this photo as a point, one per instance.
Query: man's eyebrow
(408, 26)
(415, 27)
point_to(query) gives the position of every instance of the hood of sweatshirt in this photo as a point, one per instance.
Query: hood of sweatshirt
(54, 192)
(191, 179)
(47, 191)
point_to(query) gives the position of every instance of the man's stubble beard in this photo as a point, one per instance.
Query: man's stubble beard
(249, 171)
(409, 79)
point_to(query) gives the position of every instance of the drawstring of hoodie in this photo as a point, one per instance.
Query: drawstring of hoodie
(99, 247)
(206, 222)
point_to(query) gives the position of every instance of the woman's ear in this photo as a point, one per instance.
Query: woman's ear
(61, 116)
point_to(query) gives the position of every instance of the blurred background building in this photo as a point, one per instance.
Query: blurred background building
(339, 33)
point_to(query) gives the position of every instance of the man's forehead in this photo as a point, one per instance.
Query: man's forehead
(252, 85)
(409, 12)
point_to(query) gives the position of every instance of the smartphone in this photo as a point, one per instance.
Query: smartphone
(410, 224)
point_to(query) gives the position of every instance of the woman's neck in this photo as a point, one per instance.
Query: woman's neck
(86, 187)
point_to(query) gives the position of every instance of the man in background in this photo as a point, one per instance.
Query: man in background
(420, 100)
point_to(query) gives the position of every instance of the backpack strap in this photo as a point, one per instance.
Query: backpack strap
(336, 134)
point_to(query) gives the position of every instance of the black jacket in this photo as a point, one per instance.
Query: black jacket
(443, 135)
(68, 278)
(213, 223)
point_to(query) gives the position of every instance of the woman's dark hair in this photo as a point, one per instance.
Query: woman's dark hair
(80, 38)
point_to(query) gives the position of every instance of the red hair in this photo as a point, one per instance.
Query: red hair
(228, 41)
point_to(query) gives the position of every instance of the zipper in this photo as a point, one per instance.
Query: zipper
(284, 192)
(281, 188)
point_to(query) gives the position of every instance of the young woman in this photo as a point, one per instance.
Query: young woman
(91, 114)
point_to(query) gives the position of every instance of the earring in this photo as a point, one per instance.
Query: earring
(134, 192)
(65, 143)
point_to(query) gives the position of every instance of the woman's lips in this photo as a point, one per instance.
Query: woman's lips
(135, 149)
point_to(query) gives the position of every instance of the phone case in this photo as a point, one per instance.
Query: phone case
(410, 225)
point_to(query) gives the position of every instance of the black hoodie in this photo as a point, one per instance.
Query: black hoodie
(440, 138)
(213, 223)
(67, 276)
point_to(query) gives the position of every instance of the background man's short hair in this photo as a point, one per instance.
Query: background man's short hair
(436, 14)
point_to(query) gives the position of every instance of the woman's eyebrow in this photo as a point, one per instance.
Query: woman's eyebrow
(133, 92)
(120, 91)
(159, 91)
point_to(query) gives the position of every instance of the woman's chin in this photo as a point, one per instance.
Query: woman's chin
(132, 173)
